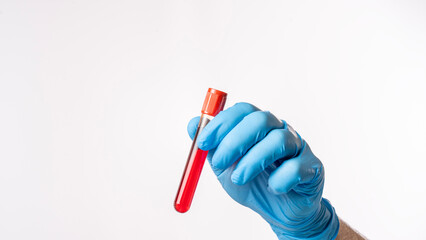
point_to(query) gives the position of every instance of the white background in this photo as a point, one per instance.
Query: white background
(95, 97)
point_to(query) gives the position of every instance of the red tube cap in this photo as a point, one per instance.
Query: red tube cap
(214, 102)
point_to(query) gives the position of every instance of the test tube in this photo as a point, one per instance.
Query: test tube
(213, 104)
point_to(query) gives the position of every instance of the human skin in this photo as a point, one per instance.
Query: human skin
(347, 233)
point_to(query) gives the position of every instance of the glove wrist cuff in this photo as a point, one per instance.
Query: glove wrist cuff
(328, 225)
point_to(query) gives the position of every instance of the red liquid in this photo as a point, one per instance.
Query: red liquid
(189, 181)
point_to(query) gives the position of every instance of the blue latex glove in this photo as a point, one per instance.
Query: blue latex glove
(263, 164)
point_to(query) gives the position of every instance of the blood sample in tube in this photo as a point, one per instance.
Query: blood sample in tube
(213, 104)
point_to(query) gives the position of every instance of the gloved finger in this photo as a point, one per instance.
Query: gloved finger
(278, 144)
(222, 124)
(192, 127)
(242, 137)
(216, 171)
(300, 170)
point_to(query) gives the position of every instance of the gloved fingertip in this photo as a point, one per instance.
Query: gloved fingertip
(202, 144)
(273, 191)
(204, 139)
(281, 185)
(236, 179)
(216, 163)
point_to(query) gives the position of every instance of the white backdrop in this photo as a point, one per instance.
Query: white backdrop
(95, 97)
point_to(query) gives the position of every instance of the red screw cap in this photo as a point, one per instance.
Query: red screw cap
(214, 102)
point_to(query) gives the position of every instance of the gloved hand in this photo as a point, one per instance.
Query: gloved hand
(263, 164)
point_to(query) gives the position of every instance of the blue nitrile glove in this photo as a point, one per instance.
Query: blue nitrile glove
(263, 164)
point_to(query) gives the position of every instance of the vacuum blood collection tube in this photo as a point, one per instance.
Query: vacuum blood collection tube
(213, 104)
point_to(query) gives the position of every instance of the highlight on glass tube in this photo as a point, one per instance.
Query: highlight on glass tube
(213, 104)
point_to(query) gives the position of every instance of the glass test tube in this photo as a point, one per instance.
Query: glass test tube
(213, 104)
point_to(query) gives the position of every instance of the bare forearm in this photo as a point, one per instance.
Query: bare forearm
(347, 233)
